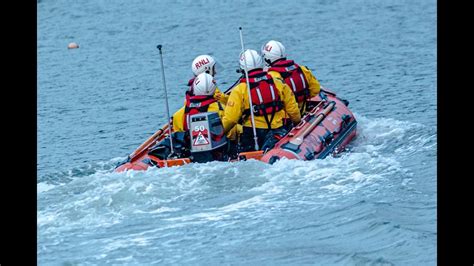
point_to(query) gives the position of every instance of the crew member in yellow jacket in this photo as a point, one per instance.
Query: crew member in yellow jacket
(202, 100)
(271, 98)
(299, 78)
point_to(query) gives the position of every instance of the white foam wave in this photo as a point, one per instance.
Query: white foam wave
(43, 187)
(388, 134)
(216, 214)
(105, 198)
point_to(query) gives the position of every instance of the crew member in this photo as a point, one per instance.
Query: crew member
(202, 100)
(271, 98)
(299, 78)
(205, 64)
(201, 64)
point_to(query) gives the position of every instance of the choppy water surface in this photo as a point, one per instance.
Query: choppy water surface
(373, 205)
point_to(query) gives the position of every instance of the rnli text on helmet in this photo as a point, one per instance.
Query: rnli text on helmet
(202, 62)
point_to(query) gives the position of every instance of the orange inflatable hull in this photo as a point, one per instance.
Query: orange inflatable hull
(327, 128)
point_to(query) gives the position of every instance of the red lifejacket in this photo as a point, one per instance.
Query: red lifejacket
(294, 78)
(265, 97)
(196, 105)
(190, 91)
(191, 87)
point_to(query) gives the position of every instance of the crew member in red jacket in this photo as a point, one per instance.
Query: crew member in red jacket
(299, 78)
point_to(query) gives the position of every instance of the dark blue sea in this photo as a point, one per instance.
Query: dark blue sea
(374, 205)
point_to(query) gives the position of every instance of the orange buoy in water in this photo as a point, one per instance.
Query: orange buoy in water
(72, 45)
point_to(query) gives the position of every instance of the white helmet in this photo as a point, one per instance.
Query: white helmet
(203, 63)
(250, 59)
(204, 84)
(272, 51)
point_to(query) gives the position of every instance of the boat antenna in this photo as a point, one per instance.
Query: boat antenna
(248, 90)
(166, 98)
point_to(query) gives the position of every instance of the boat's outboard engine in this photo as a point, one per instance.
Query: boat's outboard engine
(208, 142)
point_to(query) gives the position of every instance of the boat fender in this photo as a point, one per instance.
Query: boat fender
(127, 160)
(345, 119)
(327, 138)
(273, 159)
(323, 95)
(242, 158)
(150, 162)
(309, 155)
(346, 102)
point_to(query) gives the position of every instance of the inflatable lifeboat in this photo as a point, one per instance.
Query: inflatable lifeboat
(326, 129)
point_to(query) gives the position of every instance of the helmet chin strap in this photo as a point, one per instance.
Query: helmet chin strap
(211, 71)
(268, 61)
